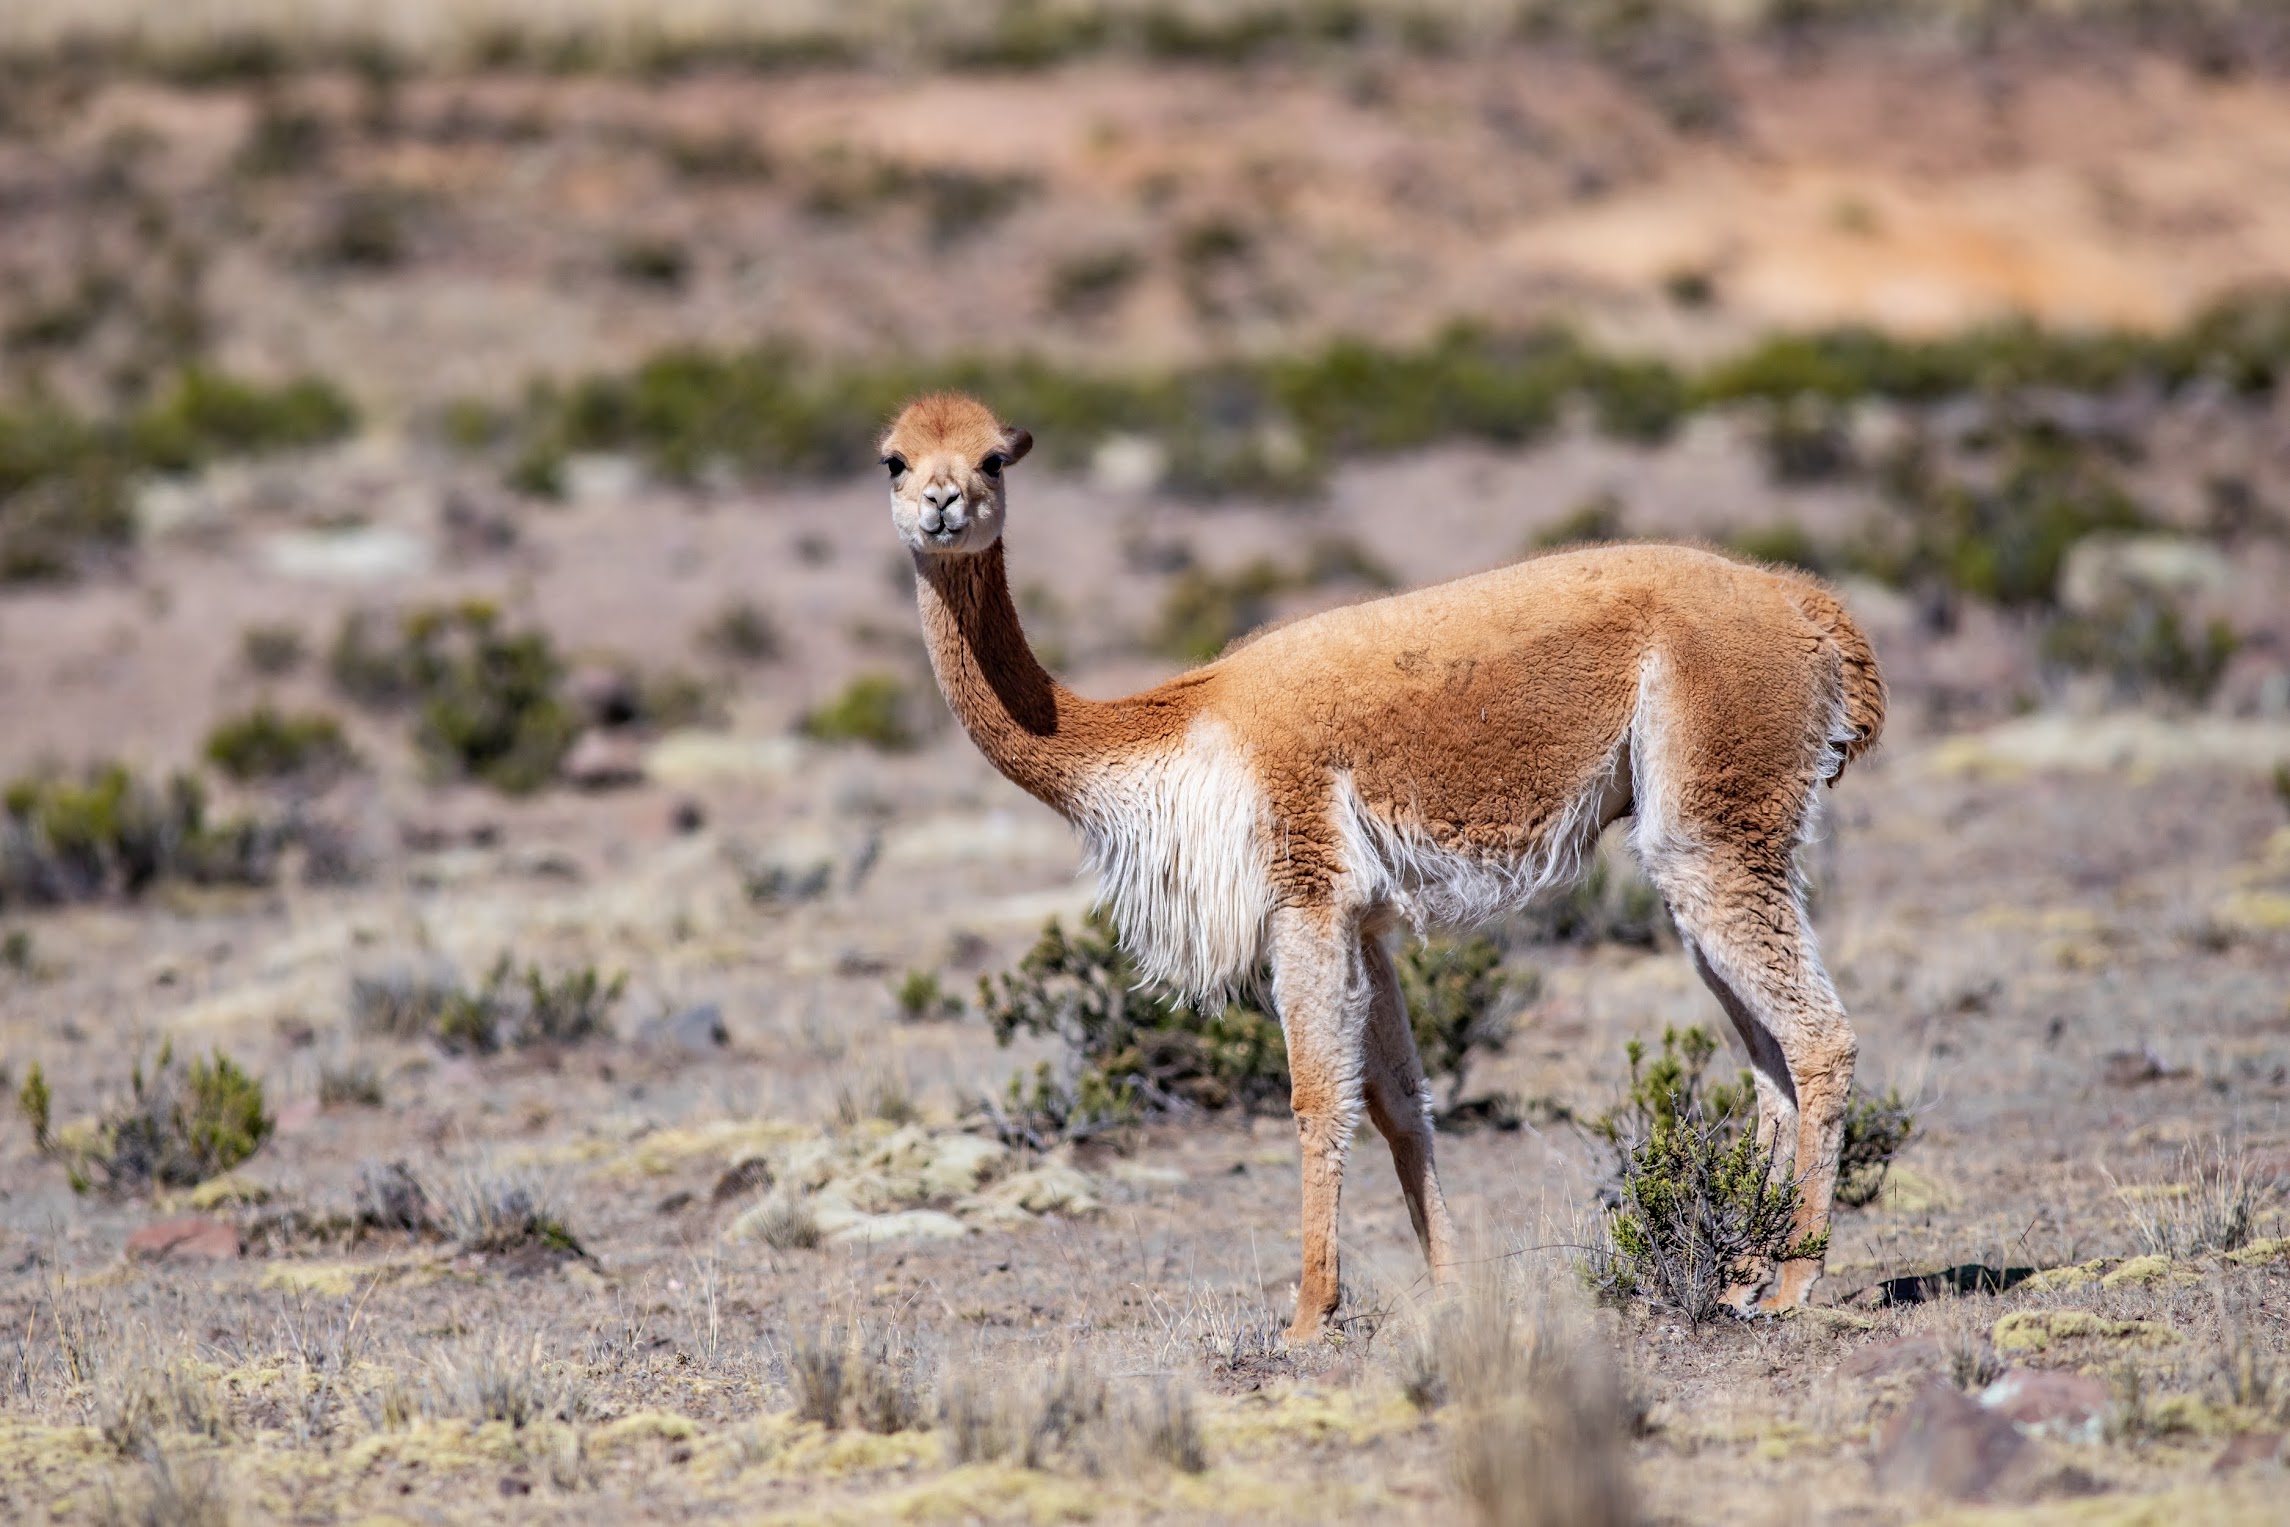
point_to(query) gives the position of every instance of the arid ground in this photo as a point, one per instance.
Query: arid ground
(610, 1275)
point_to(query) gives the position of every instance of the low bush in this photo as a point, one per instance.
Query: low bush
(922, 999)
(876, 709)
(1134, 1050)
(503, 1216)
(179, 1126)
(742, 631)
(487, 702)
(507, 1009)
(2142, 650)
(1696, 1203)
(113, 834)
(272, 651)
(269, 744)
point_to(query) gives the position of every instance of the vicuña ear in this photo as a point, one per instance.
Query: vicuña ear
(1015, 443)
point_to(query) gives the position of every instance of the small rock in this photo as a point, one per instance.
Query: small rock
(360, 554)
(675, 1203)
(1945, 1444)
(2049, 1402)
(2249, 1448)
(750, 1176)
(186, 1238)
(604, 695)
(602, 761)
(694, 1031)
(602, 477)
(903, 1225)
(687, 817)
(2040, 1330)
(1130, 464)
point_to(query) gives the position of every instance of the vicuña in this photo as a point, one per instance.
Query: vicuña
(1432, 758)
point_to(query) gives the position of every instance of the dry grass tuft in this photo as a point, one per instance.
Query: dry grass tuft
(1069, 1417)
(840, 1376)
(2211, 1201)
(504, 1376)
(1539, 1424)
(165, 1496)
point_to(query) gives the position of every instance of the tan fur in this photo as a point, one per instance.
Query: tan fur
(1434, 756)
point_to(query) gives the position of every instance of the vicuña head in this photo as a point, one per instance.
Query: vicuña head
(945, 456)
(1437, 757)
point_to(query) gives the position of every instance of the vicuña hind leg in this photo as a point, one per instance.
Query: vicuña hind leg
(1750, 941)
(1320, 984)
(1399, 1102)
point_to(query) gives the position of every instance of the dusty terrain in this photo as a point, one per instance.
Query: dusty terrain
(2059, 912)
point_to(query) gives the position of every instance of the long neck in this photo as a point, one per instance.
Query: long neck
(1048, 740)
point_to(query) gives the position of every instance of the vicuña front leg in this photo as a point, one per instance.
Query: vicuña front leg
(1320, 985)
(1399, 1101)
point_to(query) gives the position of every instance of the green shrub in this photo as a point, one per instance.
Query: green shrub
(662, 263)
(1611, 902)
(1091, 283)
(508, 1007)
(272, 651)
(1784, 542)
(1133, 1048)
(1204, 612)
(875, 709)
(487, 702)
(922, 999)
(111, 834)
(743, 632)
(1596, 518)
(1697, 1201)
(1876, 1128)
(267, 744)
(35, 1102)
(1456, 1000)
(207, 415)
(2004, 539)
(180, 1126)
(2142, 649)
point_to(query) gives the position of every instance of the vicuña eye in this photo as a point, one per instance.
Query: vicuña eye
(895, 463)
(992, 465)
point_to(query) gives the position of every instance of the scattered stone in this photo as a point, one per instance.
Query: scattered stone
(186, 1238)
(696, 1030)
(602, 477)
(2247, 1449)
(687, 817)
(359, 554)
(901, 1225)
(675, 1203)
(1047, 1189)
(434, 834)
(2146, 1272)
(1128, 464)
(1946, 1444)
(694, 758)
(604, 695)
(2041, 1330)
(601, 760)
(2048, 1402)
(750, 1176)
(1887, 1359)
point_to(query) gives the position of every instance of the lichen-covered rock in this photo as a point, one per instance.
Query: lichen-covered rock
(2041, 1330)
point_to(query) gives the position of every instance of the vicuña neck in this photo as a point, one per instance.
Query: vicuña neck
(1048, 740)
